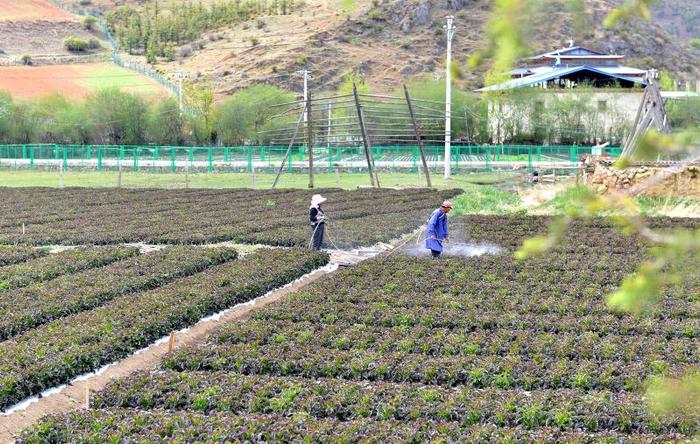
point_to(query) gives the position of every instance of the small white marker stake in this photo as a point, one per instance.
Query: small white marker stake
(171, 344)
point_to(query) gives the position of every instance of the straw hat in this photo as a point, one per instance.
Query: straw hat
(317, 199)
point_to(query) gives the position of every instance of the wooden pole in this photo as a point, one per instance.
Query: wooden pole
(365, 140)
(310, 137)
(289, 147)
(418, 139)
(171, 343)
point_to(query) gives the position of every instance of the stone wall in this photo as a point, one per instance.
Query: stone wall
(601, 175)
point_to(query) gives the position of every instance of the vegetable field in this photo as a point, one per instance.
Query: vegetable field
(40, 216)
(56, 330)
(398, 348)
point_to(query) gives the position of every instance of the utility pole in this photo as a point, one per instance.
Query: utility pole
(307, 121)
(310, 136)
(328, 133)
(180, 77)
(307, 75)
(448, 97)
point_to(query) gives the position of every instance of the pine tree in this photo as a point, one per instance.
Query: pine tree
(152, 50)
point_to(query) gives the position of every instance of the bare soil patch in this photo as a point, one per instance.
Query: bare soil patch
(74, 81)
(43, 37)
(38, 81)
(31, 10)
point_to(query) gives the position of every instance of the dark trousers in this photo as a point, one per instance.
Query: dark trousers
(317, 236)
(435, 253)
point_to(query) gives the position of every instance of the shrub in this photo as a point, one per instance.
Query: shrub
(694, 42)
(89, 22)
(260, 24)
(75, 44)
(84, 2)
(185, 51)
(93, 43)
(375, 14)
(254, 41)
(27, 59)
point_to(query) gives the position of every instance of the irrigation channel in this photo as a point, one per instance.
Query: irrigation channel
(76, 393)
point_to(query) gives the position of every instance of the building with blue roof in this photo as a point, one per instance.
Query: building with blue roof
(569, 95)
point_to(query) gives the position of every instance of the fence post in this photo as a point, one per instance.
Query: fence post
(529, 159)
(99, 159)
(65, 158)
(172, 159)
(330, 159)
(211, 160)
(249, 152)
(457, 156)
(488, 159)
(414, 159)
(31, 156)
(539, 153)
(135, 154)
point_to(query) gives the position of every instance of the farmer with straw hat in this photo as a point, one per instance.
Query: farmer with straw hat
(436, 232)
(318, 219)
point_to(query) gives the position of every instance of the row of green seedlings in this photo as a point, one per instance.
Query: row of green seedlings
(64, 263)
(208, 392)
(225, 220)
(55, 205)
(57, 351)
(14, 254)
(126, 425)
(30, 307)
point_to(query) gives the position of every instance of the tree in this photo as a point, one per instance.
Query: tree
(6, 107)
(239, 117)
(200, 97)
(118, 118)
(165, 123)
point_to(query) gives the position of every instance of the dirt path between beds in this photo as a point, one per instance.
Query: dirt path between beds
(74, 396)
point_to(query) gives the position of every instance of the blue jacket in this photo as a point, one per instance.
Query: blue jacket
(437, 228)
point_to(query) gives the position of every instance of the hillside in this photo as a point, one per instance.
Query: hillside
(390, 41)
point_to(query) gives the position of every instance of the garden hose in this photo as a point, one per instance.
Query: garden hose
(406, 240)
(325, 221)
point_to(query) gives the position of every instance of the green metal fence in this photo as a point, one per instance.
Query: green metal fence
(164, 159)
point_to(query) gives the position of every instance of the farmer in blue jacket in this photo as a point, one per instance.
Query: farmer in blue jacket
(436, 233)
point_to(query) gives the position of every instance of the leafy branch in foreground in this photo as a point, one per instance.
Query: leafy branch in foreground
(667, 264)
